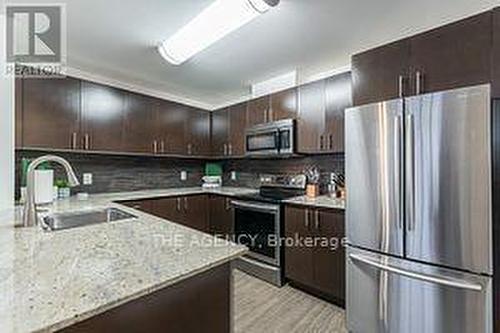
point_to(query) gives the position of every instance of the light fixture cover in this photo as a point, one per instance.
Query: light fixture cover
(213, 23)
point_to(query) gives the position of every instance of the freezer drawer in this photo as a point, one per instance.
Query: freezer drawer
(390, 295)
(448, 178)
(374, 144)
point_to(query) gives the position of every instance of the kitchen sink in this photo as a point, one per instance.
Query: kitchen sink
(60, 221)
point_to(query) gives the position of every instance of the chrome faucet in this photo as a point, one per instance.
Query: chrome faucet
(30, 214)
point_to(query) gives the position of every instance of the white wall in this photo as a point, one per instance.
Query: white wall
(6, 127)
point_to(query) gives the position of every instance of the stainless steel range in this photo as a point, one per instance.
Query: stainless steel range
(258, 224)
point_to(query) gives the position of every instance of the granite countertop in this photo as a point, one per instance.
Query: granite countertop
(322, 201)
(50, 280)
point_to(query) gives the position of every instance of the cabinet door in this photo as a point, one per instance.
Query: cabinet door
(338, 98)
(496, 54)
(299, 258)
(237, 128)
(19, 111)
(198, 132)
(171, 126)
(221, 216)
(453, 56)
(196, 210)
(329, 261)
(51, 113)
(258, 111)
(139, 134)
(168, 208)
(311, 121)
(220, 132)
(376, 73)
(142, 205)
(284, 105)
(103, 117)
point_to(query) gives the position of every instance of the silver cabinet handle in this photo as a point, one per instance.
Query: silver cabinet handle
(271, 115)
(410, 159)
(155, 146)
(418, 276)
(316, 219)
(330, 141)
(185, 204)
(225, 149)
(398, 166)
(189, 148)
(306, 219)
(74, 138)
(401, 81)
(86, 140)
(419, 80)
(230, 149)
(162, 146)
(228, 204)
(178, 204)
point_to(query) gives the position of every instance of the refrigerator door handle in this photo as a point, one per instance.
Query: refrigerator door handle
(410, 162)
(398, 166)
(414, 275)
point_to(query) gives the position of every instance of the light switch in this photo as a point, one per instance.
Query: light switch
(87, 179)
(233, 175)
(184, 175)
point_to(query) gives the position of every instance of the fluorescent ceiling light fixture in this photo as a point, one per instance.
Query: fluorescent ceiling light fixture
(213, 23)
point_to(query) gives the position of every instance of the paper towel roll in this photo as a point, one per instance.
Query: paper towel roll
(44, 186)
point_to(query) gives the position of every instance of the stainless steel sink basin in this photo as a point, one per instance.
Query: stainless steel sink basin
(60, 221)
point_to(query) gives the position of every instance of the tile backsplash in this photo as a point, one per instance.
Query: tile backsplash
(113, 173)
(248, 171)
(122, 173)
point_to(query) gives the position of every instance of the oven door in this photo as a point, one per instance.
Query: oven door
(257, 226)
(263, 142)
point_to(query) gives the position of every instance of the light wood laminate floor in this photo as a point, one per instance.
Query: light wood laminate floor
(260, 307)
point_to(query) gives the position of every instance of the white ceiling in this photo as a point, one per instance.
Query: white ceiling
(116, 39)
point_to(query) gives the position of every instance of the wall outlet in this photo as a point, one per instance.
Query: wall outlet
(233, 175)
(87, 179)
(184, 175)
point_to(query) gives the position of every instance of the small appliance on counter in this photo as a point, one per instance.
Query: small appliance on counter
(212, 181)
(213, 176)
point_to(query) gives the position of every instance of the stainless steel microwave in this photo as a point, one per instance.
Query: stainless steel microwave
(276, 138)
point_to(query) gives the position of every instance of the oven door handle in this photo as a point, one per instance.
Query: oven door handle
(256, 206)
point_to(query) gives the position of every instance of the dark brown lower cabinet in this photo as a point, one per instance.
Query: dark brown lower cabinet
(191, 211)
(220, 216)
(199, 304)
(317, 261)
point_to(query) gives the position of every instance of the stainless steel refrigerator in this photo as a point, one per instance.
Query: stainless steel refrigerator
(419, 225)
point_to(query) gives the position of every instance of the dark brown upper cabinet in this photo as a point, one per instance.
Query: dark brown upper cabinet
(283, 105)
(453, 56)
(50, 113)
(496, 54)
(220, 132)
(140, 117)
(381, 74)
(311, 119)
(237, 127)
(338, 97)
(103, 116)
(198, 132)
(171, 127)
(19, 112)
(258, 110)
